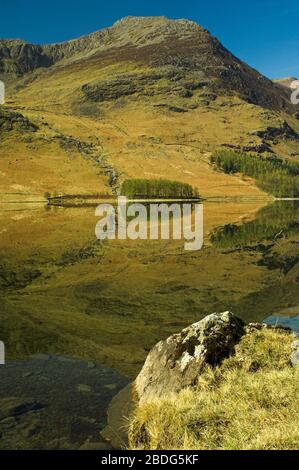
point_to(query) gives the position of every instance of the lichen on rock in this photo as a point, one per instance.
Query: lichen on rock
(176, 363)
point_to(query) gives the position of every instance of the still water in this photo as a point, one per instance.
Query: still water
(65, 292)
(90, 310)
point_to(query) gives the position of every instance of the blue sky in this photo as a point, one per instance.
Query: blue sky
(263, 33)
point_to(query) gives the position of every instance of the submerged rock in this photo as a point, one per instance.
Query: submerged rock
(55, 402)
(15, 406)
(176, 363)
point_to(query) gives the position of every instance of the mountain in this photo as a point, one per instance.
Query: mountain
(159, 43)
(147, 97)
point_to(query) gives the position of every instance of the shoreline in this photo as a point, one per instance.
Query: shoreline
(88, 201)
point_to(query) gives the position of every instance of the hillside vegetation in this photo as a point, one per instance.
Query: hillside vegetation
(148, 98)
(273, 175)
(160, 188)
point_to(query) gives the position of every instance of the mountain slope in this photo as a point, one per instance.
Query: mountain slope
(157, 42)
(148, 97)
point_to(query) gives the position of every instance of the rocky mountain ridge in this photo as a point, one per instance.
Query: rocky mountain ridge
(18, 56)
(157, 42)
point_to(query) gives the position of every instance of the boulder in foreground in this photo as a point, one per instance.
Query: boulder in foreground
(176, 362)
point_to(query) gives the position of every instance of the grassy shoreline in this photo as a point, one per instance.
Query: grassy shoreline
(250, 401)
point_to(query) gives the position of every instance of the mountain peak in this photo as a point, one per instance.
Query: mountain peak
(139, 19)
(153, 20)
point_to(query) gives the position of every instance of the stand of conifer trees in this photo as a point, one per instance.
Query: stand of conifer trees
(157, 188)
(274, 175)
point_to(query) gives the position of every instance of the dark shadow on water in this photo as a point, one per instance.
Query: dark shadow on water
(277, 220)
(54, 402)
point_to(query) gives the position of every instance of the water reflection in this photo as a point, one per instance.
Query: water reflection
(280, 219)
(289, 322)
(63, 291)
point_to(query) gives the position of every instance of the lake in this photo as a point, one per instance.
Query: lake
(65, 292)
(103, 304)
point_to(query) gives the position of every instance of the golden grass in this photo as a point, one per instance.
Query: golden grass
(36, 163)
(136, 137)
(249, 402)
